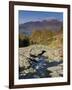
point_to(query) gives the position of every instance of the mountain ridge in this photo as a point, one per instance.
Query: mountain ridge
(28, 27)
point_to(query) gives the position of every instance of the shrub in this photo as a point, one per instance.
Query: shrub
(23, 40)
(41, 37)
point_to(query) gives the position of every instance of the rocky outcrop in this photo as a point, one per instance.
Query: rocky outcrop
(56, 70)
(51, 54)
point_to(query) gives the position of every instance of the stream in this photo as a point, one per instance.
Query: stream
(41, 69)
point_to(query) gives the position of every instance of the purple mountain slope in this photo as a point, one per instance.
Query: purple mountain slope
(28, 27)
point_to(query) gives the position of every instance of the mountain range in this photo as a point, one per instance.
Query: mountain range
(28, 27)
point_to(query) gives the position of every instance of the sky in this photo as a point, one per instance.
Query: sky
(27, 16)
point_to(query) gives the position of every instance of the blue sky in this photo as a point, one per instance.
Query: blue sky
(26, 16)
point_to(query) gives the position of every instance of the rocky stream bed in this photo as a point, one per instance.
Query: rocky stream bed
(50, 64)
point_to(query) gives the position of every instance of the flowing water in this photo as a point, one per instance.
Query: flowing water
(41, 69)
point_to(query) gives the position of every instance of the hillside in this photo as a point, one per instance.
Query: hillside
(43, 37)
